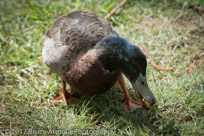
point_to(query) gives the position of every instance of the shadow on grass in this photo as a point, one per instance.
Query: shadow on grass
(108, 109)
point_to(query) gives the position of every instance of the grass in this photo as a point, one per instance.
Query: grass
(173, 31)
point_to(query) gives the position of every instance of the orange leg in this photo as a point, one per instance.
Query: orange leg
(128, 102)
(65, 95)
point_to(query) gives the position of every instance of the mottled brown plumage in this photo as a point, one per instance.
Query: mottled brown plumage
(76, 34)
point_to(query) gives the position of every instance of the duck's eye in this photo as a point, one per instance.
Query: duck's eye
(142, 83)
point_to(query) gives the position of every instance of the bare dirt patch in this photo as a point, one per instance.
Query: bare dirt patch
(149, 21)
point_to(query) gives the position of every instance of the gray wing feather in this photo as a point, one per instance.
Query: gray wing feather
(72, 36)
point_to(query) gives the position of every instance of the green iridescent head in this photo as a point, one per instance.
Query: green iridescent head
(117, 53)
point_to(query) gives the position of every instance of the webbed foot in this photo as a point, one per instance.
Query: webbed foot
(65, 96)
(129, 104)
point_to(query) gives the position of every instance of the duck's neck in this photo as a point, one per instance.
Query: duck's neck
(117, 53)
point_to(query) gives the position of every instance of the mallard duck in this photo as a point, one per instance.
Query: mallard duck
(89, 54)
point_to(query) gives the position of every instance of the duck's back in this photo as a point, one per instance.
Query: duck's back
(80, 31)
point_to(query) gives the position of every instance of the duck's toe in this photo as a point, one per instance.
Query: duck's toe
(130, 105)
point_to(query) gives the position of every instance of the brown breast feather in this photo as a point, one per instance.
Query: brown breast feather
(88, 77)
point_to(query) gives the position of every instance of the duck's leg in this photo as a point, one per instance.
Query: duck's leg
(66, 96)
(128, 102)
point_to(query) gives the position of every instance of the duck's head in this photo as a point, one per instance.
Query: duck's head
(134, 68)
(121, 54)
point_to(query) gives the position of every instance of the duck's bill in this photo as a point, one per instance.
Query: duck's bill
(143, 92)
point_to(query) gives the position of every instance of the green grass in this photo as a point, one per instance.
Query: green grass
(173, 31)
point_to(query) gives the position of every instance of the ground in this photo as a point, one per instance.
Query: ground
(173, 32)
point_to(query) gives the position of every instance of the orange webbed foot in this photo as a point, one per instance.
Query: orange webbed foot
(65, 96)
(129, 104)
(59, 99)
